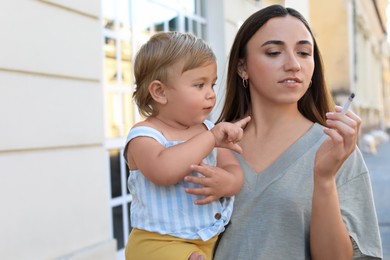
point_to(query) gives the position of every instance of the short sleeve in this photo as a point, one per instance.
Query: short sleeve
(144, 131)
(208, 124)
(358, 208)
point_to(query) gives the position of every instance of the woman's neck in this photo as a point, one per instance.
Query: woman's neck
(272, 132)
(279, 119)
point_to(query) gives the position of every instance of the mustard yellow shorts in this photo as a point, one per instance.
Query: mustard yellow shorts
(144, 245)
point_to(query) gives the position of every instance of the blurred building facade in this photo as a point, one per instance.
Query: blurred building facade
(65, 104)
(355, 51)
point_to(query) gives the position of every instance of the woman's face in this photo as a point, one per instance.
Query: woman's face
(279, 61)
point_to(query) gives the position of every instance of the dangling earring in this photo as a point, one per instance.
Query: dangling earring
(245, 83)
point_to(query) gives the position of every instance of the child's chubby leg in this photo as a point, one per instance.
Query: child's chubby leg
(144, 245)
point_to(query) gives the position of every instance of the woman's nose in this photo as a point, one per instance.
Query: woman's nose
(292, 63)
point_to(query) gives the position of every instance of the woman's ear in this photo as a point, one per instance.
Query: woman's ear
(157, 90)
(241, 70)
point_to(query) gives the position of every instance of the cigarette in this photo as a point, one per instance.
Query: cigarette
(348, 103)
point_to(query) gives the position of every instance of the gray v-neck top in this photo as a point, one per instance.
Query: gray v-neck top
(272, 212)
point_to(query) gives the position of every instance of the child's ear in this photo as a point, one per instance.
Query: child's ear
(157, 91)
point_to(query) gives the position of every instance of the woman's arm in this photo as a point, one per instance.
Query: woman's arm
(329, 238)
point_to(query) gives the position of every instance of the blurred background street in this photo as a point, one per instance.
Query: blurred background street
(379, 167)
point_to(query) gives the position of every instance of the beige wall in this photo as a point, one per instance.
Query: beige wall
(333, 40)
(53, 168)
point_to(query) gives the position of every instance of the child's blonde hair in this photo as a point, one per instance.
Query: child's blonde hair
(157, 55)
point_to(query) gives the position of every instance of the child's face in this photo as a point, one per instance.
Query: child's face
(191, 95)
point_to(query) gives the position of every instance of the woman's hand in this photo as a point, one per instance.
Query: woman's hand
(343, 130)
(214, 184)
(196, 256)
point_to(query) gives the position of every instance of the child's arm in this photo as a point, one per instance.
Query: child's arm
(168, 166)
(222, 181)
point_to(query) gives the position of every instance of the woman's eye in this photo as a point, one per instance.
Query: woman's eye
(304, 53)
(273, 53)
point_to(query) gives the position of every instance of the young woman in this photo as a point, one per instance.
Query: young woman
(307, 191)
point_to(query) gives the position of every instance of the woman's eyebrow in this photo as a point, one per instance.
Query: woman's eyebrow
(278, 42)
(304, 42)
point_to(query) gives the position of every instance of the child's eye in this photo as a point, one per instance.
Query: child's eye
(199, 85)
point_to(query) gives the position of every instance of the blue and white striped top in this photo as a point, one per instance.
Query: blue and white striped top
(169, 209)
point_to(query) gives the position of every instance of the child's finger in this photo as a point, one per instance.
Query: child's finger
(243, 122)
(234, 147)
